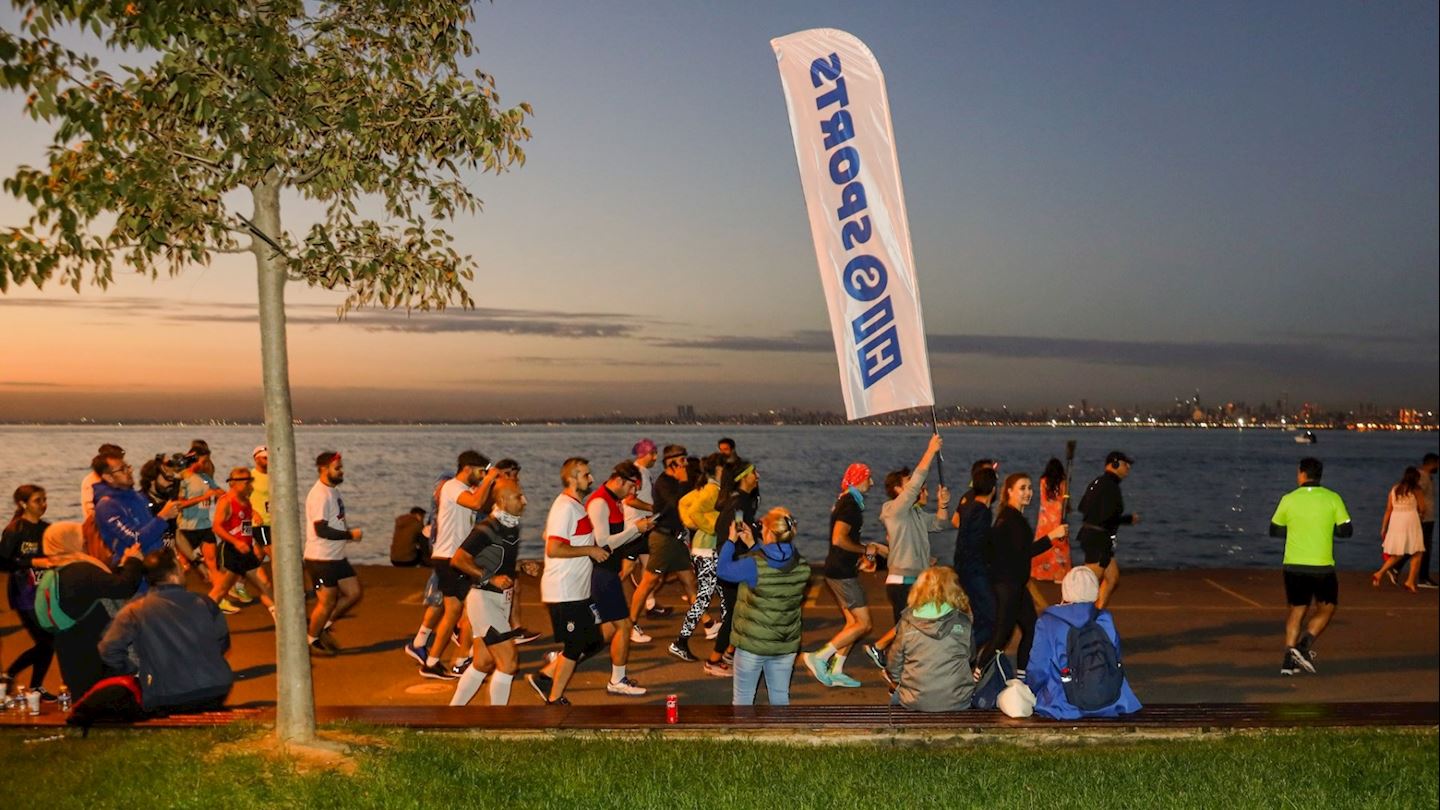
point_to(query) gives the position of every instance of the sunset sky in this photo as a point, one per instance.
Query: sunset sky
(1118, 201)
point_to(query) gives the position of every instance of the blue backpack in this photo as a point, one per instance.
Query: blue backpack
(1091, 672)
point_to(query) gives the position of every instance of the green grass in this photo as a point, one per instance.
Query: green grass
(153, 769)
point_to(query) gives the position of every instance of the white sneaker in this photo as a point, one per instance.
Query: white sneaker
(639, 636)
(626, 687)
(712, 631)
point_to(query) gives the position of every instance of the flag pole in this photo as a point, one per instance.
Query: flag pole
(940, 456)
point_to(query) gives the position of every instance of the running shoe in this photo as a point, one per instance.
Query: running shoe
(639, 636)
(729, 657)
(626, 687)
(437, 672)
(659, 611)
(418, 653)
(820, 669)
(1288, 666)
(841, 679)
(240, 595)
(541, 685)
(228, 607)
(46, 696)
(712, 629)
(1302, 660)
(318, 648)
(551, 656)
(524, 636)
(460, 666)
(682, 651)
(560, 701)
(327, 640)
(1427, 584)
(718, 669)
(876, 654)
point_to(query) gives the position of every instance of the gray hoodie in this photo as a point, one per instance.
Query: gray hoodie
(930, 660)
(908, 528)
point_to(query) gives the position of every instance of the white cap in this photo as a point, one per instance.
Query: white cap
(260, 451)
(1080, 585)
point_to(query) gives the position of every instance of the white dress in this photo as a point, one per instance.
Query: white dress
(1403, 535)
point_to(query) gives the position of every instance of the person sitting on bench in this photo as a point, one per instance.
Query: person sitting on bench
(1075, 669)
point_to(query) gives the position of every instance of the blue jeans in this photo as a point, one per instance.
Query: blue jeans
(748, 668)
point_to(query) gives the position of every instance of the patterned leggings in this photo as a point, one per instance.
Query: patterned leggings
(704, 592)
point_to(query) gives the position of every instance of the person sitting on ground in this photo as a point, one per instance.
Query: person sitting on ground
(929, 661)
(410, 547)
(767, 608)
(88, 592)
(1073, 672)
(174, 642)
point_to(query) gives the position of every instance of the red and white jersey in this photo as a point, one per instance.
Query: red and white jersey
(567, 579)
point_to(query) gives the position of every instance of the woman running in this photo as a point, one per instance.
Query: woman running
(1052, 564)
(21, 547)
(1400, 530)
(698, 511)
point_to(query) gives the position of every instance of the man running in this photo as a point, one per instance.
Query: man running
(235, 552)
(326, 535)
(260, 500)
(842, 574)
(1309, 517)
(491, 591)
(1103, 510)
(607, 590)
(668, 552)
(639, 505)
(198, 492)
(456, 504)
(570, 555)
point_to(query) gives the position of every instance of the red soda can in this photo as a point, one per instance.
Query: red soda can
(672, 709)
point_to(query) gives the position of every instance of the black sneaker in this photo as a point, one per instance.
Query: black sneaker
(681, 650)
(1302, 660)
(876, 654)
(46, 696)
(524, 636)
(560, 701)
(1288, 665)
(659, 612)
(464, 664)
(317, 648)
(437, 671)
(541, 684)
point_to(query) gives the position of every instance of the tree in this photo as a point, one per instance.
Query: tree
(340, 101)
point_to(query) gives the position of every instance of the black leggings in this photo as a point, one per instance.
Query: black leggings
(729, 592)
(39, 656)
(1013, 606)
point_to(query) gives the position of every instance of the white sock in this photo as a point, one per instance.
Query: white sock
(431, 661)
(422, 637)
(327, 626)
(312, 639)
(837, 664)
(825, 653)
(468, 685)
(650, 603)
(500, 688)
(617, 674)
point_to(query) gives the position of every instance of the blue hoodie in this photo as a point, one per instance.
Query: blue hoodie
(1043, 674)
(743, 570)
(123, 517)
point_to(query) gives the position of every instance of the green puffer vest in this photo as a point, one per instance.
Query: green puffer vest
(767, 617)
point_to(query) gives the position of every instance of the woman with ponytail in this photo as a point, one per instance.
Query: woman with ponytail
(21, 548)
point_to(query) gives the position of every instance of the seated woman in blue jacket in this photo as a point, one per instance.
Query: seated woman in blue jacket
(1098, 673)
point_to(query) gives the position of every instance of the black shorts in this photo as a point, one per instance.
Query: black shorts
(899, 594)
(1099, 548)
(607, 596)
(575, 622)
(453, 584)
(261, 535)
(1304, 587)
(668, 554)
(328, 573)
(234, 560)
(198, 537)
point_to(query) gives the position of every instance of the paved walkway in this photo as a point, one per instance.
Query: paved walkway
(1198, 636)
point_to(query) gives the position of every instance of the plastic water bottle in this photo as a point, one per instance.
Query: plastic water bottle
(64, 698)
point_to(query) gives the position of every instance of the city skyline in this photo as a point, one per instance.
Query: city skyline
(1117, 204)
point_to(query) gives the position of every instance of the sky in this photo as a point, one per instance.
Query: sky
(1122, 202)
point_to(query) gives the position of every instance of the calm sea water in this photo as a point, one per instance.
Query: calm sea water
(1205, 496)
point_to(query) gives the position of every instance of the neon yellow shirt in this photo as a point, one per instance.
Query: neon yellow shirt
(260, 498)
(1310, 515)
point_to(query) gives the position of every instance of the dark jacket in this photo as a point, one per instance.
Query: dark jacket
(971, 539)
(83, 589)
(930, 661)
(1009, 546)
(124, 519)
(174, 641)
(1102, 507)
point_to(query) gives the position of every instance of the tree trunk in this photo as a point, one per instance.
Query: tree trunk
(295, 696)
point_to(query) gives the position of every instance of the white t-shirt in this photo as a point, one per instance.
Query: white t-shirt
(568, 579)
(452, 521)
(324, 503)
(87, 494)
(646, 493)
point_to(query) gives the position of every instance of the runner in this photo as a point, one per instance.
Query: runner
(326, 535)
(908, 530)
(457, 501)
(198, 491)
(739, 500)
(607, 590)
(1309, 517)
(510, 468)
(698, 512)
(260, 501)
(1400, 532)
(235, 552)
(570, 556)
(1103, 511)
(492, 589)
(22, 550)
(842, 574)
(639, 505)
(669, 553)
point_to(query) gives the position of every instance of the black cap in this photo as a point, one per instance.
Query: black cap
(1117, 456)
